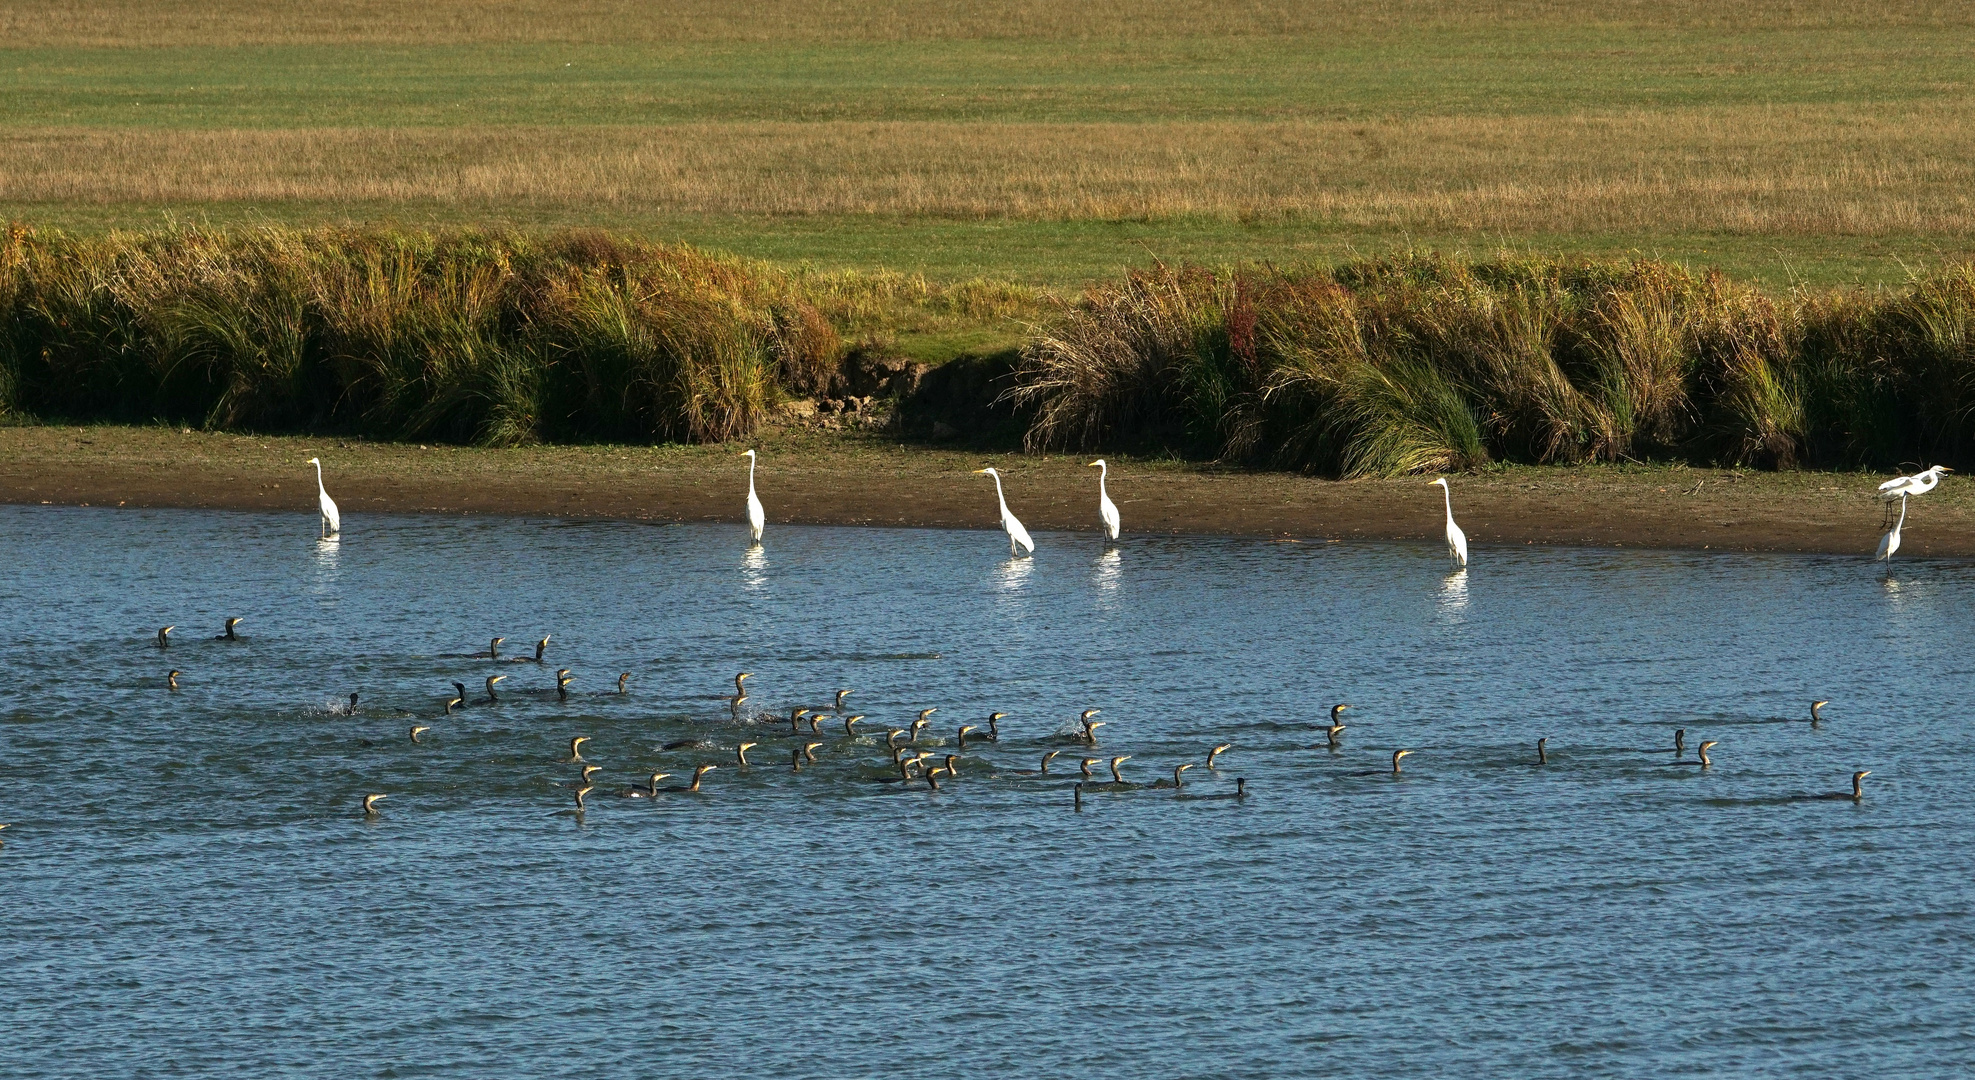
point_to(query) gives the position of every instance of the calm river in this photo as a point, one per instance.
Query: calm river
(189, 886)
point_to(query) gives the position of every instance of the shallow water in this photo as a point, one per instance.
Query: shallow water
(191, 888)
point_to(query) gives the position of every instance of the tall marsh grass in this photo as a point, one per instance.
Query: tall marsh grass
(1422, 363)
(488, 338)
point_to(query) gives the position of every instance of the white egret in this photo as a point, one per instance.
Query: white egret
(755, 518)
(1919, 483)
(1107, 511)
(1890, 542)
(1017, 536)
(1457, 541)
(332, 522)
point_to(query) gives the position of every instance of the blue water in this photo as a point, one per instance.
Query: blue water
(189, 886)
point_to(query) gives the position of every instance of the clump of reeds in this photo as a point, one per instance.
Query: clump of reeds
(1423, 363)
(482, 337)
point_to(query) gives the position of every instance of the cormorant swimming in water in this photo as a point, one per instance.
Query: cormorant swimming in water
(229, 635)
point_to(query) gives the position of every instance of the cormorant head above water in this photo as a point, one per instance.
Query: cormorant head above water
(621, 680)
(1115, 762)
(576, 747)
(229, 635)
(1396, 755)
(171, 679)
(1217, 752)
(164, 636)
(1816, 711)
(370, 804)
(491, 680)
(416, 728)
(1335, 710)
(740, 753)
(842, 694)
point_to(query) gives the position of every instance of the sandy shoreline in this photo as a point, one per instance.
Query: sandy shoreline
(812, 478)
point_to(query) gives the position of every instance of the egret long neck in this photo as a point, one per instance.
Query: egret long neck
(1103, 470)
(1003, 500)
(750, 474)
(1902, 522)
(1448, 493)
(325, 491)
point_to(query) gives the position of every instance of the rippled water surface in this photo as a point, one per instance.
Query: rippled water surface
(189, 885)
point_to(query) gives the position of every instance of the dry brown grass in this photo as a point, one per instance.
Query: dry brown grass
(1805, 170)
(147, 23)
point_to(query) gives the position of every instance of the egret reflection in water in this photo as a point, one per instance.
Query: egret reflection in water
(1453, 596)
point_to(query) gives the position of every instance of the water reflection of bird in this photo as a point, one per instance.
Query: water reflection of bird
(1457, 541)
(1702, 759)
(229, 635)
(1018, 537)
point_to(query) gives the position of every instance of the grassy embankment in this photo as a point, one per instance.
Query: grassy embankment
(1814, 141)
(1374, 368)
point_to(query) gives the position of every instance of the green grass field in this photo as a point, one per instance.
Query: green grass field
(1786, 143)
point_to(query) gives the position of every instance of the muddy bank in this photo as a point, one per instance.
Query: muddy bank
(830, 478)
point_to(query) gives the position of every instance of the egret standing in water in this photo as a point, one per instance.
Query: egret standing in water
(1890, 543)
(1107, 511)
(332, 522)
(755, 518)
(1018, 537)
(1457, 541)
